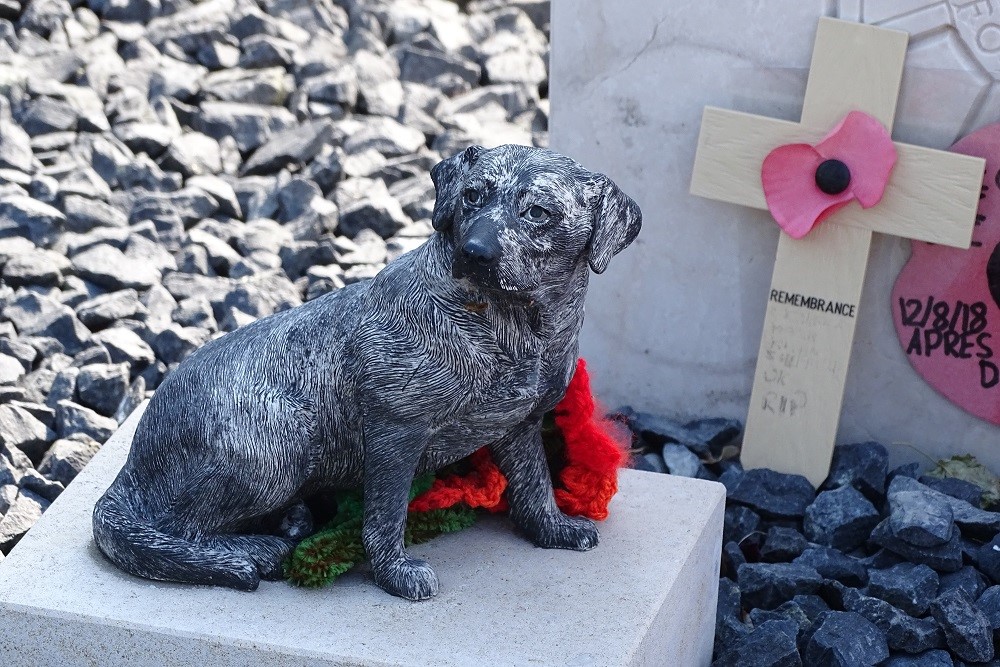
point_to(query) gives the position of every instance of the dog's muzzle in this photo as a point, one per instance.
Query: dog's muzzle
(476, 257)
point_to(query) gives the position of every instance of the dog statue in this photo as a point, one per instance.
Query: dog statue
(466, 341)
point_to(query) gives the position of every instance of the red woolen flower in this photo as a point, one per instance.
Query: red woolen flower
(595, 450)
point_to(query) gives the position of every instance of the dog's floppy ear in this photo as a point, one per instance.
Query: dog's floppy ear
(617, 220)
(449, 181)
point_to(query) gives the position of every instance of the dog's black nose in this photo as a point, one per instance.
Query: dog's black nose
(480, 252)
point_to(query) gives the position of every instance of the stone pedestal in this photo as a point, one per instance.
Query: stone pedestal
(674, 325)
(645, 596)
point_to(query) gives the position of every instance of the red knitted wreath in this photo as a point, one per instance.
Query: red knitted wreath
(594, 452)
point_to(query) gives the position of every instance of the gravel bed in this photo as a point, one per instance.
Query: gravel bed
(171, 170)
(876, 567)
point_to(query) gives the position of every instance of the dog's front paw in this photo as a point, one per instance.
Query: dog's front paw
(408, 578)
(566, 532)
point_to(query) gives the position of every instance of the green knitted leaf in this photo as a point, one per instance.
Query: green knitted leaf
(319, 559)
(424, 526)
(421, 484)
(323, 557)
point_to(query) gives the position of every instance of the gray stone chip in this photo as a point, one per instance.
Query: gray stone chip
(906, 586)
(920, 518)
(24, 216)
(125, 345)
(450, 73)
(46, 114)
(104, 310)
(295, 145)
(972, 520)
(66, 458)
(844, 639)
(15, 148)
(773, 494)
(101, 387)
(36, 267)
(109, 267)
(251, 125)
(767, 585)
(84, 214)
(22, 515)
(72, 418)
(11, 369)
(841, 518)
(20, 429)
(967, 631)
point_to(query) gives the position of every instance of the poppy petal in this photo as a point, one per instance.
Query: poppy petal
(864, 145)
(789, 179)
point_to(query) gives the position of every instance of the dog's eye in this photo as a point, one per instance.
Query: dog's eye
(537, 214)
(473, 197)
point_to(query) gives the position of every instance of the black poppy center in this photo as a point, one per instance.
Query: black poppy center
(833, 177)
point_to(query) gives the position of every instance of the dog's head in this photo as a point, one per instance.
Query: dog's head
(520, 217)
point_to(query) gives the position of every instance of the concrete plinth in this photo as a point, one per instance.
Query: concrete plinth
(645, 596)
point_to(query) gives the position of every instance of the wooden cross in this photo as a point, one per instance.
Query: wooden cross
(931, 196)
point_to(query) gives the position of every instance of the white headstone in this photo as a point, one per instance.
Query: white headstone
(674, 325)
(646, 595)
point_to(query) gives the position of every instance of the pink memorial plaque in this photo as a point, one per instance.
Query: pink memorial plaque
(946, 301)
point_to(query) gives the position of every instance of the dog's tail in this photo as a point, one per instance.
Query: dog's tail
(138, 548)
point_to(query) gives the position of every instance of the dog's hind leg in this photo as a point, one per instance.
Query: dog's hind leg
(234, 507)
(236, 524)
(139, 548)
(267, 552)
(392, 452)
(521, 458)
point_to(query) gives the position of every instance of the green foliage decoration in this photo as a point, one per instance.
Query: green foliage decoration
(319, 559)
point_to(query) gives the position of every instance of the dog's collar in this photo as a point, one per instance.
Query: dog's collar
(479, 304)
